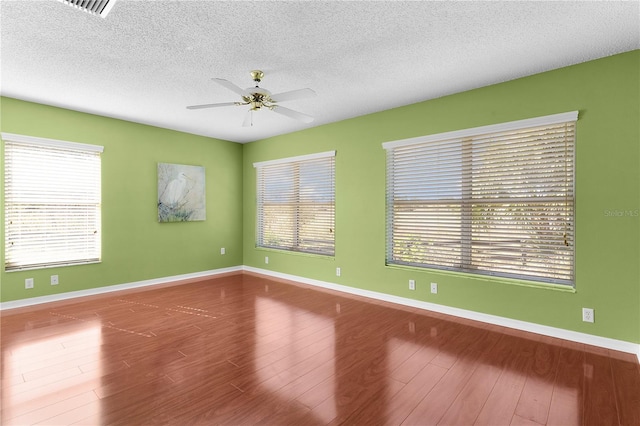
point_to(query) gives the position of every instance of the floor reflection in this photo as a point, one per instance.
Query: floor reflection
(247, 350)
(397, 367)
(293, 366)
(51, 378)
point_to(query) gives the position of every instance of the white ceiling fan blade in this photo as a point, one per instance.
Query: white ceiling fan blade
(292, 114)
(229, 85)
(293, 94)
(248, 119)
(223, 104)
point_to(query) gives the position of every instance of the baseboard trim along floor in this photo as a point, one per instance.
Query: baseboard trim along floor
(574, 336)
(118, 287)
(589, 339)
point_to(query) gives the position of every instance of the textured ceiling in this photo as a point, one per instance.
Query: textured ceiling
(147, 60)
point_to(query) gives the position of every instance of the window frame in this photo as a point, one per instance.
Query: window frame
(14, 261)
(465, 201)
(295, 236)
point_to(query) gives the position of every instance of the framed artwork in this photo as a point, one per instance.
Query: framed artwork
(181, 193)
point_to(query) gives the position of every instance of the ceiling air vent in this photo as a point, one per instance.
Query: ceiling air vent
(94, 7)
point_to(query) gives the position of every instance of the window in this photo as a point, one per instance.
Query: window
(52, 202)
(296, 203)
(495, 200)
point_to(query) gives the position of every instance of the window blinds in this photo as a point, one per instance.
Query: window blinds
(296, 203)
(52, 202)
(496, 200)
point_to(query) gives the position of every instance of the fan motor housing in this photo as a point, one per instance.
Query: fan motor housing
(258, 97)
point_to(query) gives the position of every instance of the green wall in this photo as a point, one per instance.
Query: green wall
(606, 92)
(135, 247)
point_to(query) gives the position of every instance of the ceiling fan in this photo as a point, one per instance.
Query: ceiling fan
(259, 98)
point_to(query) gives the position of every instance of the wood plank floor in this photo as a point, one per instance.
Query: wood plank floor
(244, 349)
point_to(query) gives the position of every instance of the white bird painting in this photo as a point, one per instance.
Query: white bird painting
(175, 193)
(181, 193)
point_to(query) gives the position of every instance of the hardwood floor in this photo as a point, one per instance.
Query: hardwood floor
(244, 349)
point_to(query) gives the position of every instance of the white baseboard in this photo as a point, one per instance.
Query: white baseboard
(574, 336)
(118, 287)
(589, 339)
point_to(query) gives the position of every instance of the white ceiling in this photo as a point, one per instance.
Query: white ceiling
(147, 60)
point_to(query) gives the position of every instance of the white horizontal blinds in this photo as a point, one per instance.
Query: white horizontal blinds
(296, 204)
(424, 209)
(52, 203)
(523, 201)
(497, 203)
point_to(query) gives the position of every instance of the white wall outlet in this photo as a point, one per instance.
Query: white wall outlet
(54, 280)
(28, 283)
(587, 315)
(222, 250)
(412, 284)
(266, 260)
(338, 272)
(434, 288)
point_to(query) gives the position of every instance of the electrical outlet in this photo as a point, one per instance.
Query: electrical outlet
(412, 284)
(587, 315)
(434, 288)
(222, 250)
(338, 272)
(28, 283)
(266, 260)
(54, 280)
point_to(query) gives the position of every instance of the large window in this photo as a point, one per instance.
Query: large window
(495, 200)
(52, 202)
(296, 203)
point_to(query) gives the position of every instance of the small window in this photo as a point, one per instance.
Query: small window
(296, 204)
(52, 202)
(495, 200)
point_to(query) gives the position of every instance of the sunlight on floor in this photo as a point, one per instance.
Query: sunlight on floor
(62, 369)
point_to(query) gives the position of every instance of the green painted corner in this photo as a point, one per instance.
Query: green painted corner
(136, 247)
